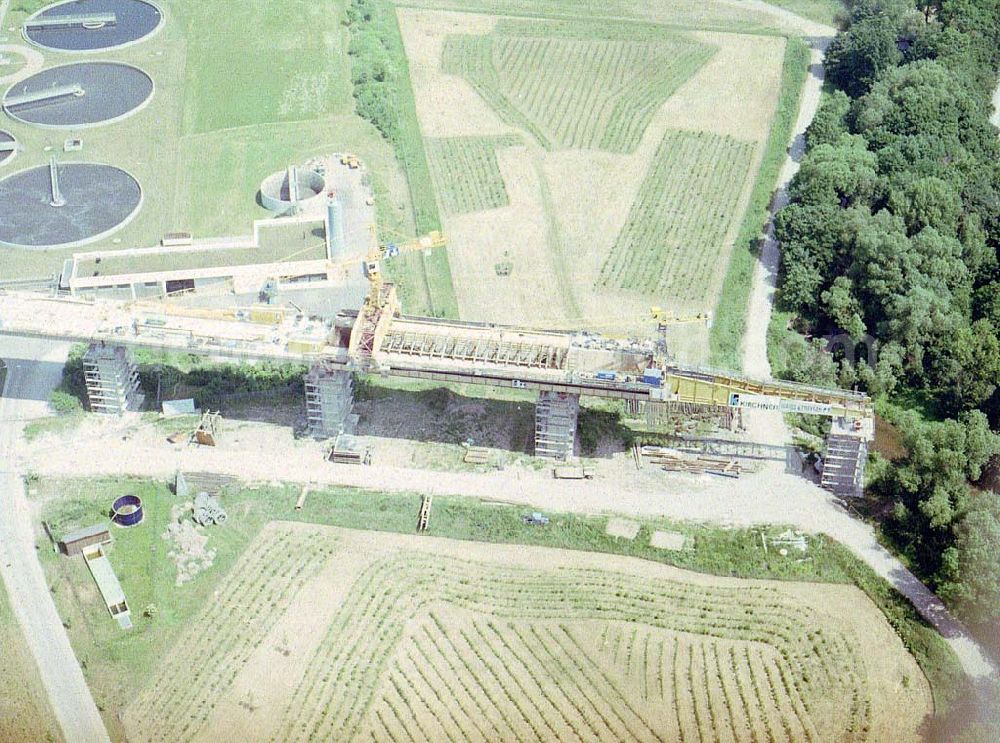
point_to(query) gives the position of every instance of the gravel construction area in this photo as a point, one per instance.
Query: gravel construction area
(187, 542)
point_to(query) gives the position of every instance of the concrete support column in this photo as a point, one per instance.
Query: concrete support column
(329, 399)
(112, 379)
(846, 457)
(556, 414)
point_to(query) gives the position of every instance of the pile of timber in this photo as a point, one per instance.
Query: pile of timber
(572, 472)
(188, 483)
(350, 450)
(477, 455)
(672, 460)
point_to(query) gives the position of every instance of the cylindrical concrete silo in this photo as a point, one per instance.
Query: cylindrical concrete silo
(336, 246)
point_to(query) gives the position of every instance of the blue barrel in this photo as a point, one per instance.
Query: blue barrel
(127, 510)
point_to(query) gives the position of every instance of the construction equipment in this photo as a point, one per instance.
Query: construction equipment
(348, 449)
(591, 323)
(378, 251)
(662, 316)
(207, 428)
(536, 519)
(424, 517)
(208, 510)
(260, 314)
(350, 160)
(382, 303)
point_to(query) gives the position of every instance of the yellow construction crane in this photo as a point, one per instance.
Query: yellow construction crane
(379, 251)
(382, 303)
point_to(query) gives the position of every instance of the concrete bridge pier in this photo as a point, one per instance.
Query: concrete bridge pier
(846, 456)
(112, 379)
(329, 399)
(556, 415)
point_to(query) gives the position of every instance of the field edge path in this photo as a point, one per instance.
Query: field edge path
(30, 598)
(859, 538)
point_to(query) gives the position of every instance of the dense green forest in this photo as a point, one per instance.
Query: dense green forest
(892, 233)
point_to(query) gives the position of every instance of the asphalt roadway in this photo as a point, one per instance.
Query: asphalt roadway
(34, 368)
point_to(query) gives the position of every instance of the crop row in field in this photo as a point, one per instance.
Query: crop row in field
(220, 640)
(674, 237)
(466, 174)
(436, 648)
(566, 91)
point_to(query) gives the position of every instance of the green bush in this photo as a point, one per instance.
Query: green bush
(383, 96)
(729, 320)
(64, 403)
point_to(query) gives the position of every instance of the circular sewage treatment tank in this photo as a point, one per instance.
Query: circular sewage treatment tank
(127, 510)
(5, 154)
(83, 25)
(98, 199)
(80, 94)
(276, 195)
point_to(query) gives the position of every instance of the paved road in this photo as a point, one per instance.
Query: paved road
(857, 536)
(27, 387)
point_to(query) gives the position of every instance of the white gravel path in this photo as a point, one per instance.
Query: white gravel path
(27, 387)
(856, 535)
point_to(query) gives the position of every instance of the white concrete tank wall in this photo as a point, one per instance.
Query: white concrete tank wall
(276, 196)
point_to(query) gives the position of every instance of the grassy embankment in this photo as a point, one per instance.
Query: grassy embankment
(729, 319)
(386, 99)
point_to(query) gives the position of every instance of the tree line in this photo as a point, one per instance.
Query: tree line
(892, 233)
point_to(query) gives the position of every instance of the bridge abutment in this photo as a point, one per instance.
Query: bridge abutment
(329, 400)
(112, 379)
(556, 416)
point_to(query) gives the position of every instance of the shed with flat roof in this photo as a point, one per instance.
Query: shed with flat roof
(75, 542)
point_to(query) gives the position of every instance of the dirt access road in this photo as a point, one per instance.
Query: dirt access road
(259, 452)
(856, 535)
(27, 387)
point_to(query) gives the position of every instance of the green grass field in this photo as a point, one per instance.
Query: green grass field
(117, 664)
(574, 90)
(25, 714)
(670, 243)
(466, 174)
(240, 92)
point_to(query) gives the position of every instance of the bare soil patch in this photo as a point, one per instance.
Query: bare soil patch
(624, 528)
(667, 540)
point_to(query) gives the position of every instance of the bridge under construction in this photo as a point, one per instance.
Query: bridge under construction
(562, 366)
